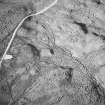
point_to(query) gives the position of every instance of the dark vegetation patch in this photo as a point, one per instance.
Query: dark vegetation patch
(34, 50)
(98, 92)
(82, 26)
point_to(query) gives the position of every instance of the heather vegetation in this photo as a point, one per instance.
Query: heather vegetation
(56, 57)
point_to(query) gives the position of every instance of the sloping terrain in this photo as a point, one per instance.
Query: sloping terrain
(58, 57)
